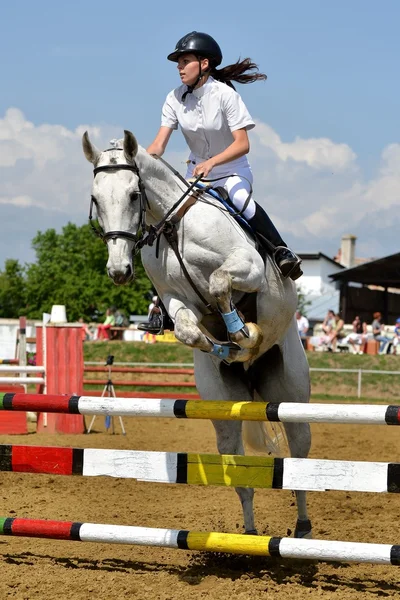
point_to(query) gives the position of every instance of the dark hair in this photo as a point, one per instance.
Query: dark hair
(237, 72)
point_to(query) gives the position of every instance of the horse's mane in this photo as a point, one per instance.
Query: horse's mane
(148, 163)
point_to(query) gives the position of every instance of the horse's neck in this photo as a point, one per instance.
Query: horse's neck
(162, 187)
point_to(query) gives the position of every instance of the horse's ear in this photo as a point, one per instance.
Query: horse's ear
(130, 146)
(91, 152)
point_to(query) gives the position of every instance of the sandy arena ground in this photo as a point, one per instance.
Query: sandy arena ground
(49, 569)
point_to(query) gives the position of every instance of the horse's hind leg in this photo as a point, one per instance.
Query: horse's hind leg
(216, 381)
(284, 377)
(299, 440)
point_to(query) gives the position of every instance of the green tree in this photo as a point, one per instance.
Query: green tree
(12, 290)
(302, 302)
(70, 269)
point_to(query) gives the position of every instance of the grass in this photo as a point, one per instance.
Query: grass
(325, 386)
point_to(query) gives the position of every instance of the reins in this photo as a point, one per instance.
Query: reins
(167, 225)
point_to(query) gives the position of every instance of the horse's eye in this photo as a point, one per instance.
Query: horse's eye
(134, 196)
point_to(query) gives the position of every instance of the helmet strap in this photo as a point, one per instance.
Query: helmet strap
(190, 88)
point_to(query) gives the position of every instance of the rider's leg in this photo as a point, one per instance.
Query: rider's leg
(287, 261)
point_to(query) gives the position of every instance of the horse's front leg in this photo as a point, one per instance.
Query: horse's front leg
(187, 318)
(243, 270)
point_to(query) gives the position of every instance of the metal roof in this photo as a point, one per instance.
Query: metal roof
(384, 272)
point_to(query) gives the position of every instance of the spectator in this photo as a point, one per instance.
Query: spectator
(378, 333)
(358, 338)
(120, 319)
(103, 329)
(86, 333)
(333, 328)
(328, 322)
(303, 326)
(396, 338)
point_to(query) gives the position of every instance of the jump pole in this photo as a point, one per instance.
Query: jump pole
(61, 353)
(205, 469)
(285, 412)
(182, 539)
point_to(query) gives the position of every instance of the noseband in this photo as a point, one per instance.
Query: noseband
(112, 235)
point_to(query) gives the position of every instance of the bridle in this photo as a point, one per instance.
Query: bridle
(147, 235)
(143, 203)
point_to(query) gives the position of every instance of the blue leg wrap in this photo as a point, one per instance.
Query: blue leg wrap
(232, 321)
(222, 351)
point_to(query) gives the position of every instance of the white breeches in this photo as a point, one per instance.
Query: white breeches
(236, 179)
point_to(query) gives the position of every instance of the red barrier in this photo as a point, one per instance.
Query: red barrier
(13, 423)
(62, 357)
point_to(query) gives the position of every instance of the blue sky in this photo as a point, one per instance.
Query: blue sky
(332, 75)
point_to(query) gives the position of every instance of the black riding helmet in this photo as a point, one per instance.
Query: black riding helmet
(200, 44)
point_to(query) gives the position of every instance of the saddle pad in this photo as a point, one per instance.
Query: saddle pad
(238, 218)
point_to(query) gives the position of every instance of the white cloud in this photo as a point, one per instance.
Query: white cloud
(18, 201)
(318, 153)
(313, 188)
(315, 191)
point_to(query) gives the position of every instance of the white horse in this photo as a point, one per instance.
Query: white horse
(204, 265)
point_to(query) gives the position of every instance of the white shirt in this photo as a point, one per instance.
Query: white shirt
(207, 118)
(302, 324)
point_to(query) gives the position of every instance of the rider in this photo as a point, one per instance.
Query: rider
(214, 121)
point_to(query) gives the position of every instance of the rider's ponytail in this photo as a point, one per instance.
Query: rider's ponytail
(238, 72)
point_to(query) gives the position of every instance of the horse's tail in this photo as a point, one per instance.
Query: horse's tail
(265, 438)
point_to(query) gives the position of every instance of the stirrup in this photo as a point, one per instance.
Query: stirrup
(295, 271)
(149, 328)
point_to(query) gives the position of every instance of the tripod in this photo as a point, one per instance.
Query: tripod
(108, 392)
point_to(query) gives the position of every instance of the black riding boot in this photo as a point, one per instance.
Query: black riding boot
(159, 321)
(287, 261)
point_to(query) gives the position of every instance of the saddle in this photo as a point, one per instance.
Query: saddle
(220, 194)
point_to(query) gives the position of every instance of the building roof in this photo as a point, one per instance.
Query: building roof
(317, 256)
(384, 272)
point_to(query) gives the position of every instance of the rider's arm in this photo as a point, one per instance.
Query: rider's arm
(160, 142)
(239, 147)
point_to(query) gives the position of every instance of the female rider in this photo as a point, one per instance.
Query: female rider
(214, 121)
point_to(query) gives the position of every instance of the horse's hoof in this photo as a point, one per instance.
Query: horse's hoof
(251, 532)
(303, 529)
(250, 338)
(239, 355)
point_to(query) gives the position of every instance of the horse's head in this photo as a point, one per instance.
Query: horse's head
(118, 196)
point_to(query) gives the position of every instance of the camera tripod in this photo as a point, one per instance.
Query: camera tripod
(108, 392)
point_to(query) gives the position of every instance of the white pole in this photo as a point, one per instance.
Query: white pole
(359, 383)
(22, 380)
(19, 369)
(46, 319)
